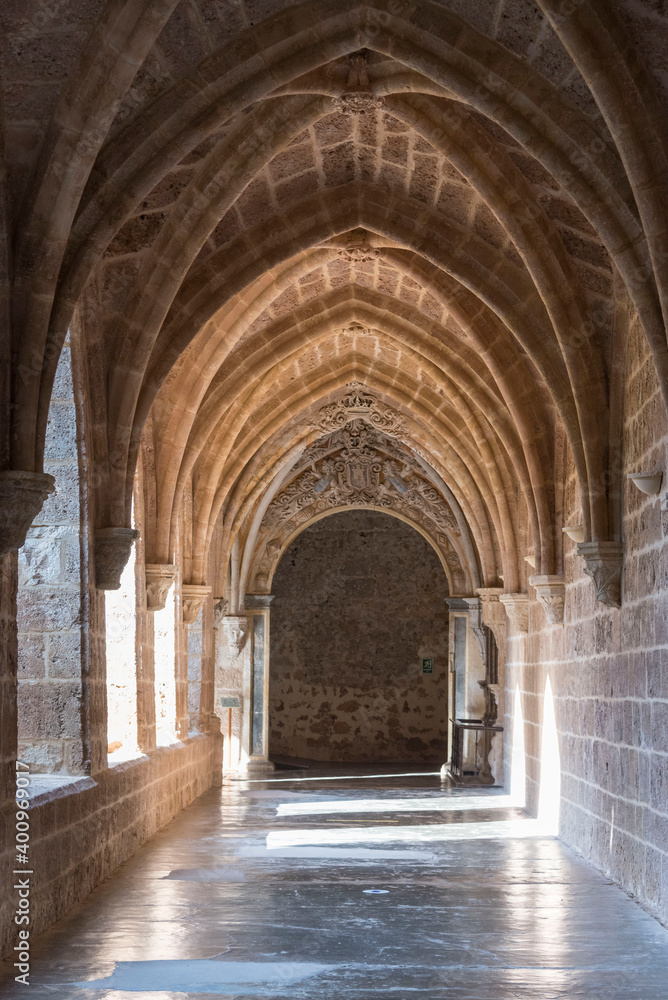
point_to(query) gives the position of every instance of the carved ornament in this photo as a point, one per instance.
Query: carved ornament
(358, 103)
(21, 497)
(356, 466)
(235, 630)
(358, 401)
(603, 563)
(517, 609)
(112, 551)
(551, 594)
(494, 615)
(159, 578)
(193, 596)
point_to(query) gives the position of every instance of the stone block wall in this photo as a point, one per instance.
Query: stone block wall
(359, 601)
(108, 818)
(608, 670)
(50, 604)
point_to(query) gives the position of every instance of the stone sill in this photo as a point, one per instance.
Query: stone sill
(47, 787)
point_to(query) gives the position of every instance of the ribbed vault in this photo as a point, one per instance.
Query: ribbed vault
(253, 212)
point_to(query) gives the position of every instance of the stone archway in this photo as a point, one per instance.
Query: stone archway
(359, 605)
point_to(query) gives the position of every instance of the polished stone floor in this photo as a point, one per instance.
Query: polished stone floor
(352, 887)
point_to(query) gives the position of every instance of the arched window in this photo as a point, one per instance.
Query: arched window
(49, 602)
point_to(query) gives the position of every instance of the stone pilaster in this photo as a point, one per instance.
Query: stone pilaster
(551, 594)
(603, 563)
(112, 551)
(159, 578)
(256, 721)
(517, 609)
(193, 596)
(21, 497)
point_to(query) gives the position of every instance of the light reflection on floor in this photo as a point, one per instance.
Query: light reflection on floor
(393, 886)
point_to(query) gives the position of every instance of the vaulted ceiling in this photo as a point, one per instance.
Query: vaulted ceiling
(242, 206)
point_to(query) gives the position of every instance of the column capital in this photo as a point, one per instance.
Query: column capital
(21, 497)
(517, 609)
(458, 603)
(159, 578)
(551, 594)
(193, 596)
(603, 563)
(258, 602)
(112, 551)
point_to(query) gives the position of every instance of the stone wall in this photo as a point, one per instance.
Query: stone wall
(108, 819)
(608, 670)
(49, 602)
(359, 601)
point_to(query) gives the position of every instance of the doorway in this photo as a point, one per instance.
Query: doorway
(359, 644)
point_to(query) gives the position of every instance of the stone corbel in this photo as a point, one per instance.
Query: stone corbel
(112, 551)
(517, 609)
(235, 630)
(603, 563)
(193, 596)
(21, 497)
(159, 578)
(551, 594)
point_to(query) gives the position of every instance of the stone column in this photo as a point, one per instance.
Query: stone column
(466, 699)
(232, 667)
(493, 615)
(256, 686)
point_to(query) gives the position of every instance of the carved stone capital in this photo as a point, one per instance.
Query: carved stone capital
(517, 609)
(603, 563)
(112, 551)
(159, 578)
(21, 497)
(551, 593)
(220, 607)
(235, 630)
(193, 596)
(493, 613)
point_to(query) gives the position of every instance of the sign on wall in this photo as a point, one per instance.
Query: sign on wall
(229, 702)
(428, 665)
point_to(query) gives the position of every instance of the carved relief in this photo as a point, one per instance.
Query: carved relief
(112, 551)
(235, 629)
(159, 578)
(494, 615)
(21, 497)
(360, 103)
(603, 563)
(193, 596)
(356, 465)
(357, 401)
(517, 609)
(551, 594)
(358, 249)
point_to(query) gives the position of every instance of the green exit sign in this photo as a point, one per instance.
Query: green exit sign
(229, 702)
(428, 665)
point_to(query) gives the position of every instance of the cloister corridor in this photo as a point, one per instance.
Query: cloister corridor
(333, 444)
(353, 883)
